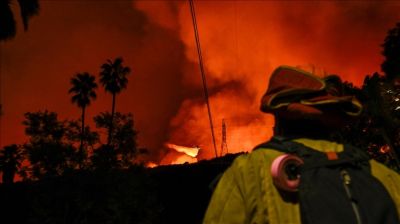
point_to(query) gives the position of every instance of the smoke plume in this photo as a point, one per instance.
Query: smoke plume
(243, 41)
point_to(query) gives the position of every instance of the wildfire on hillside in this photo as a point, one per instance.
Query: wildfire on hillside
(190, 151)
(151, 165)
(180, 154)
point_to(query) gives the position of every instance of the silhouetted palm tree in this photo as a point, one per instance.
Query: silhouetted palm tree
(11, 158)
(83, 90)
(28, 8)
(113, 78)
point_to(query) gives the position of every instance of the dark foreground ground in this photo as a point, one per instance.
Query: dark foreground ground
(166, 194)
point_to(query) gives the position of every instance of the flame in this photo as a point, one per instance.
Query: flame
(190, 151)
(182, 159)
(151, 165)
(384, 149)
(180, 154)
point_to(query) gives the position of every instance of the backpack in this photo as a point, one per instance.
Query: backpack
(338, 189)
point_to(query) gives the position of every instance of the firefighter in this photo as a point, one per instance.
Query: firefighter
(307, 110)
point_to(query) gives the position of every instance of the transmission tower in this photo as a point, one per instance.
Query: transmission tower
(224, 145)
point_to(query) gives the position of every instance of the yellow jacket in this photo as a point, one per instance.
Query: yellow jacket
(246, 194)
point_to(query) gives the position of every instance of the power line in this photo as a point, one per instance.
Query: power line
(203, 76)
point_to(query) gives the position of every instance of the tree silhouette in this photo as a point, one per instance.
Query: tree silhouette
(73, 134)
(83, 90)
(391, 52)
(11, 158)
(113, 78)
(104, 158)
(376, 130)
(43, 126)
(123, 145)
(48, 154)
(28, 8)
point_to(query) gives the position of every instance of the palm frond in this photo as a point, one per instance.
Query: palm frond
(83, 85)
(28, 8)
(7, 22)
(113, 75)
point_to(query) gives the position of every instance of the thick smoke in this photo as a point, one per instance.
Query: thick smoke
(243, 41)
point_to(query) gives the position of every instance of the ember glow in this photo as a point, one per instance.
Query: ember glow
(182, 159)
(151, 165)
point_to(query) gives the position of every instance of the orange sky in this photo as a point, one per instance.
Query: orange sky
(242, 42)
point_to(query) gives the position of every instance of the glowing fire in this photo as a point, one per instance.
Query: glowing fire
(186, 154)
(151, 165)
(384, 149)
(184, 159)
(190, 151)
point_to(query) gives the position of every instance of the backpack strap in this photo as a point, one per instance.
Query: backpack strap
(351, 156)
(283, 144)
